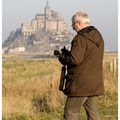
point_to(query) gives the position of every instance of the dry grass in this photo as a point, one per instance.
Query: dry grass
(30, 90)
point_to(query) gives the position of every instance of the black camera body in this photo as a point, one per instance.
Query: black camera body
(64, 51)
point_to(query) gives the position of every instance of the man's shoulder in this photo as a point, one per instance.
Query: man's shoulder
(78, 37)
(78, 40)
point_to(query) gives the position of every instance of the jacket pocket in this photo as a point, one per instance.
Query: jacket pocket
(68, 84)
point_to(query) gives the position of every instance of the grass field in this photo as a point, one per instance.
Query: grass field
(30, 89)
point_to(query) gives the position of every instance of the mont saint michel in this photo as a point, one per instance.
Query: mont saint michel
(43, 34)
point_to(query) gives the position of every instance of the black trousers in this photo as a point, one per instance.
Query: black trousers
(73, 105)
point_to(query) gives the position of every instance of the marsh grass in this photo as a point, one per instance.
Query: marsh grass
(30, 90)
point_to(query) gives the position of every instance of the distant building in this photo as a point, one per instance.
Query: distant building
(18, 49)
(49, 21)
(45, 33)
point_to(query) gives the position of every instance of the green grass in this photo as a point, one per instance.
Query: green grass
(30, 90)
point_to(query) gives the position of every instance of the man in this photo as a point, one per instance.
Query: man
(84, 79)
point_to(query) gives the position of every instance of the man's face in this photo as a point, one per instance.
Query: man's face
(76, 26)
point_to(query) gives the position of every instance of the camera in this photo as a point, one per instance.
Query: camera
(56, 52)
(64, 51)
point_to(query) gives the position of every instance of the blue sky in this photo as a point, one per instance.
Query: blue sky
(103, 15)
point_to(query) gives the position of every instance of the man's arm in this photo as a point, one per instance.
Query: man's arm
(76, 55)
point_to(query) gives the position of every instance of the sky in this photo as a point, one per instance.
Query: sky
(102, 13)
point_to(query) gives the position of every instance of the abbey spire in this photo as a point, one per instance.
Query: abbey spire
(47, 5)
(47, 9)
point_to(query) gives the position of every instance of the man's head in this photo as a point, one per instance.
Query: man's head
(79, 21)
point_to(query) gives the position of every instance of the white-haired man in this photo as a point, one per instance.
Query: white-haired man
(84, 79)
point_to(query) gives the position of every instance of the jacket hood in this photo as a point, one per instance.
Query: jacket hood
(92, 34)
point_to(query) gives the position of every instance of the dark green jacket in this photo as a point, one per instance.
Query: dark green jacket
(84, 64)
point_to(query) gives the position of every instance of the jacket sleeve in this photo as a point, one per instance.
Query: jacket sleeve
(76, 54)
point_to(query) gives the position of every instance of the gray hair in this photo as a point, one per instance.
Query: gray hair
(81, 17)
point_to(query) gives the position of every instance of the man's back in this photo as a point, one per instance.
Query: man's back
(88, 73)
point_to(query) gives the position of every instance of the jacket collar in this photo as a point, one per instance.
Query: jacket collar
(86, 29)
(84, 32)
